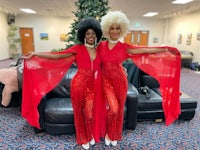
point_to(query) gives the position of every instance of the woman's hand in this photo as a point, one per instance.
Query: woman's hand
(125, 71)
(28, 55)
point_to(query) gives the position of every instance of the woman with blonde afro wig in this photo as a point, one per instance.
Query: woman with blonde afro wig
(112, 54)
(116, 17)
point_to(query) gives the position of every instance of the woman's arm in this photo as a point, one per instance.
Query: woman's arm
(47, 55)
(146, 50)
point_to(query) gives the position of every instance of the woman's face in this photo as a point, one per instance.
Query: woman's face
(114, 32)
(90, 36)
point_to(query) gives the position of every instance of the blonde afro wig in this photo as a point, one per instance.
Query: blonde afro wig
(114, 17)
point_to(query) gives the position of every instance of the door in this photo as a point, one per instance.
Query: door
(138, 38)
(27, 42)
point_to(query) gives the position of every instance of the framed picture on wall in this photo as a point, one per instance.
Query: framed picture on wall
(155, 40)
(63, 37)
(179, 40)
(44, 36)
(189, 38)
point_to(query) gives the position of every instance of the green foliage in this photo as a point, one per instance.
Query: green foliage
(86, 8)
(13, 39)
(57, 49)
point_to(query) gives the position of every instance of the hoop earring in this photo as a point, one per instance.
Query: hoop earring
(85, 41)
(95, 42)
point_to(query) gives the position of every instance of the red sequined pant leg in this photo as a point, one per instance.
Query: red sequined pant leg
(82, 95)
(115, 89)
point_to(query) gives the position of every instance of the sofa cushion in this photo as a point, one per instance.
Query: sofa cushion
(63, 88)
(154, 102)
(133, 73)
(59, 111)
(187, 102)
(149, 81)
(186, 114)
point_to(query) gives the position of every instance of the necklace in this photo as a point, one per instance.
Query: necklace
(113, 42)
(92, 53)
(87, 45)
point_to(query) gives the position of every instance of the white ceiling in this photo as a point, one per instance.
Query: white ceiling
(133, 8)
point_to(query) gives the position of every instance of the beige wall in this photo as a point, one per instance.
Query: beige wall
(154, 26)
(184, 25)
(3, 38)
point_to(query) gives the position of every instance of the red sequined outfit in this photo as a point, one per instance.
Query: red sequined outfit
(40, 76)
(115, 88)
(166, 69)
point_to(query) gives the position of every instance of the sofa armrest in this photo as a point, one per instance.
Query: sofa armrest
(131, 105)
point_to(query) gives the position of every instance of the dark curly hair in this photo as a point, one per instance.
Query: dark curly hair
(88, 23)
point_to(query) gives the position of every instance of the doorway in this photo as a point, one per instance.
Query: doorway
(137, 38)
(27, 42)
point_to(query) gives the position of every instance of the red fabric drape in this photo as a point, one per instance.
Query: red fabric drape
(165, 67)
(40, 75)
(99, 126)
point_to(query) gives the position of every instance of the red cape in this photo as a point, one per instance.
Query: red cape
(40, 76)
(165, 67)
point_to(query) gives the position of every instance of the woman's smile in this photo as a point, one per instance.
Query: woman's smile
(114, 31)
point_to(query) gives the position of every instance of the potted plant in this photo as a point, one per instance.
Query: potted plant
(14, 41)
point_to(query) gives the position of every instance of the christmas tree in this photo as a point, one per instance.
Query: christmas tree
(86, 8)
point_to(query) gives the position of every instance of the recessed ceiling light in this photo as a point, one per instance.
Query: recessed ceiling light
(181, 1)
(28, 10)
(150, 14)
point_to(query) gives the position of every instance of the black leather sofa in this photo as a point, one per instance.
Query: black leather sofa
(150, 99)
(56, 112)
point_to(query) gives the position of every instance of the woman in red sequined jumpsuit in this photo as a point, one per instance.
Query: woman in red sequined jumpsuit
(83, 83)
(113, 53)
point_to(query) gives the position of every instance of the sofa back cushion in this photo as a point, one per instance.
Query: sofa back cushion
(139, 78)
(147, 80)
(133, 73)
(63, 88)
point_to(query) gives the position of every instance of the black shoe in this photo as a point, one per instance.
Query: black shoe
(36, 130)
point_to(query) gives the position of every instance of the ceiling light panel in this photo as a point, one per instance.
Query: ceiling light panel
(29, 11)
(181, 1)
(150, 14)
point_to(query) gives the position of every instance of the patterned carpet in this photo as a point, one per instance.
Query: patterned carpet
(16, 134)
(190, 82)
